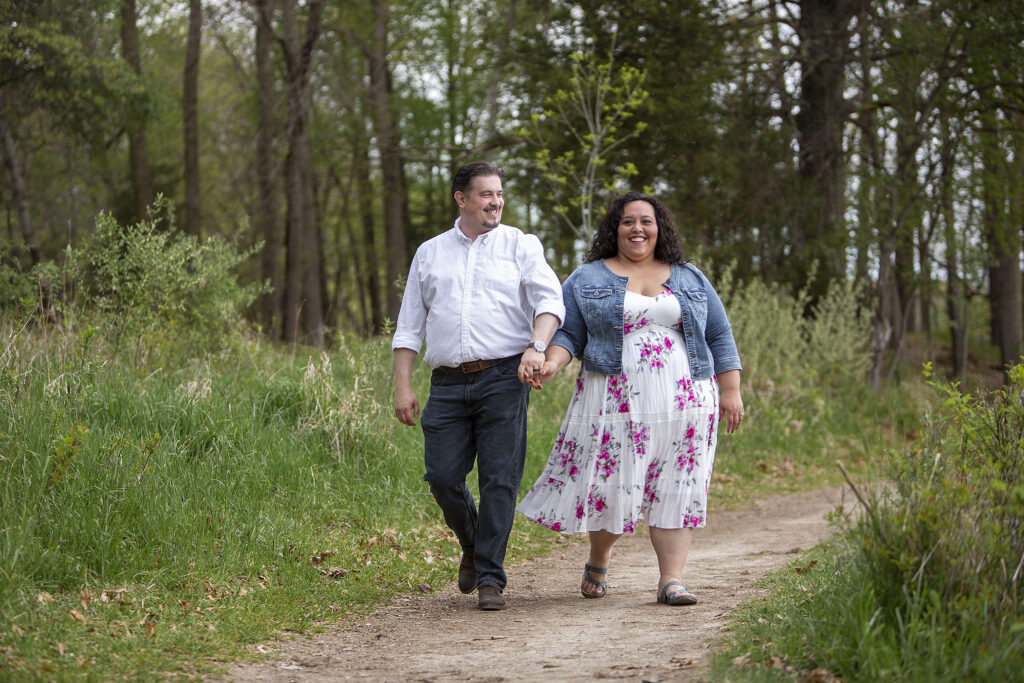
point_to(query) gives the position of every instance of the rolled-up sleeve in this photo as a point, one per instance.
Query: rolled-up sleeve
(411, 327)
(540, 284)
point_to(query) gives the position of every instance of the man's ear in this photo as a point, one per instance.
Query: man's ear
(460, 198)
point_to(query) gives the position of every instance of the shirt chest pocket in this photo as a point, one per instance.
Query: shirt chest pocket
(696, 301)
(594, 301)
(499, 274)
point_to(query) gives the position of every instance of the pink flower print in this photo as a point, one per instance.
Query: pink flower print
(573, 472)
(668, 343)
(640, 438)
(599, 504)
(557, 526)
(605, 438)
(629, 527)
(690, 432)
(623, 407)
(596, 502)
(579, 512)
(579, 386)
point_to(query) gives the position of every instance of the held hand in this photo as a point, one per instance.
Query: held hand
(731, 404)
(530, 367)
(548, 371)
(407, 407)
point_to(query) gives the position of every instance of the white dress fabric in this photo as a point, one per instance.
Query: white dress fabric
(635, 446)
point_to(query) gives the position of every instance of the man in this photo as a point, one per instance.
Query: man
(487, 303)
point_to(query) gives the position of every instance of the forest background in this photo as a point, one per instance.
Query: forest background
(803, 143)
(209, 210)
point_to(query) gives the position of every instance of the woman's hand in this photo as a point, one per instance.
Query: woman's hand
(555, 358)
(730, 402)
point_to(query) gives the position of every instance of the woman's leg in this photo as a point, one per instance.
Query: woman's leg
(671, 546)
(601, 543)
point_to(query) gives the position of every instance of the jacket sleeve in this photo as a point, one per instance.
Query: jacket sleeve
(718, 333)
(572, 335)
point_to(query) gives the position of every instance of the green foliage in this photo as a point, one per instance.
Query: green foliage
(594, 113)
(932, 569)
(780, 343)
(159, 286)
(46, 66)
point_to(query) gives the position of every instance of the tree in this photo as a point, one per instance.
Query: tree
(593, 112)
(48, 71)
(190, 107)
(138, 155)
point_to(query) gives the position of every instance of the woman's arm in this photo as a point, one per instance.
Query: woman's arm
(729, 400)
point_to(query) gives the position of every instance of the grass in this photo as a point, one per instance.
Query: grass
(160, 514)
(921, 585)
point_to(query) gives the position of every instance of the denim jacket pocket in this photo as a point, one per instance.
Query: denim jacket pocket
(698, 303)
(593, 299)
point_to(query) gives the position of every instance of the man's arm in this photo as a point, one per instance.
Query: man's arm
(407, 407)
(544, 328)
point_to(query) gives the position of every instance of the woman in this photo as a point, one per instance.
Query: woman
(660, 368)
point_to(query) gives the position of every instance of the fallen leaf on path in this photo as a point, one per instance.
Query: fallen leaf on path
(801, 570)
(740, 662)
(76, 615)
(86, 598)
(44, 598)
(682, 661)
(61, 649)
(336, 572)
(820, 676)
(150, 628)
(424, 588)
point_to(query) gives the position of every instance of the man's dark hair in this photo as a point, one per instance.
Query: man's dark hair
(463, 178)
(606, 240)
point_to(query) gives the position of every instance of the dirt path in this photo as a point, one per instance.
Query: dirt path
(549, 631)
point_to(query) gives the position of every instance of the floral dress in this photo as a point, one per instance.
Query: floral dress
(635, 446)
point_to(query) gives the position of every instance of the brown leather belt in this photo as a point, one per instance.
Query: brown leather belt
(473, 365)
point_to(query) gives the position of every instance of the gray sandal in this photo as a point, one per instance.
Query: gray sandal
(602, 586)
(681, 596)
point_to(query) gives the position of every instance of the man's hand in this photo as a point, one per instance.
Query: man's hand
(530, 368)
(407, 407)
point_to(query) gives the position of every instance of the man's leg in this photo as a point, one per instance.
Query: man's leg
(449, 449)
(499, 403)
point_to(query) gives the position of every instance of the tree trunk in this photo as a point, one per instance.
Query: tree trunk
(361, 166)
(18, 192)
(191, 116)
(269, 220)
(138, 155)
(956, 292)
(303, 313)
(820, 235)
(394, 192)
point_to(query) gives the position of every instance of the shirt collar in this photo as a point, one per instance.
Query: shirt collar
(464, 238)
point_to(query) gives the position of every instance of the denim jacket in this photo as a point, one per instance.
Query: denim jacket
(592, 330)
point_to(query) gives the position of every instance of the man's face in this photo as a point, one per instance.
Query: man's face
(480, 206)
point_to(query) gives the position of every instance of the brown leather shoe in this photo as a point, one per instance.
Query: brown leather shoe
(490, 599)
(467, 572)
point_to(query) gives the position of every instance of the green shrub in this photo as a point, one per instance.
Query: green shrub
(160, 287)
(925, 585)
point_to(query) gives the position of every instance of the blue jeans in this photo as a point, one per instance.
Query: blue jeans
(481, 416)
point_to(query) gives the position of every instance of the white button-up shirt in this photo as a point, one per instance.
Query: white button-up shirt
(476, 299)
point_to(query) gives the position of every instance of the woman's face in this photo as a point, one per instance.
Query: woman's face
(638, 232)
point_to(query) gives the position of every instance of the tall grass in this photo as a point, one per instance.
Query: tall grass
(925, 584)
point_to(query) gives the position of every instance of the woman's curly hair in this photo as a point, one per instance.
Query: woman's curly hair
(606, 241)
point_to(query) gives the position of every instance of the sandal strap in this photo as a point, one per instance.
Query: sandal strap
(664, 589)
(589, 571)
